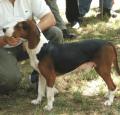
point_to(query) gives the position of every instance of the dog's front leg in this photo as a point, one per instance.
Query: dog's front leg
(43, 85)
(50, 98)
(41, 90)
(50, 80)
(47, 70)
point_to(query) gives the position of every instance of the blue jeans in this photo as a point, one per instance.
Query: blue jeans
(84, 5)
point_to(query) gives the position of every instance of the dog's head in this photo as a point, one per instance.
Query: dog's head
(24, 29)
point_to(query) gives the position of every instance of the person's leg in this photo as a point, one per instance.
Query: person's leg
(54, 8)
(72, 11)
(20, 53)
(75, 11)
(59, 21)
(84, 6)
(54, 34)
(107, 6)
(9, 71)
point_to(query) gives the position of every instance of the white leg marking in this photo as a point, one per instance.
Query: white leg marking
(50, 99)
(40, 93)
(43, 85)
(111, 96)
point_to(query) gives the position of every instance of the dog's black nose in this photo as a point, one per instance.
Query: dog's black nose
(4, 30)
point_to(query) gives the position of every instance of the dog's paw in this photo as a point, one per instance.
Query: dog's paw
(35, 101)
(108, 103)
(48, 108)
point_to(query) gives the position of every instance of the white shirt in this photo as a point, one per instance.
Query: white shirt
(22, 10)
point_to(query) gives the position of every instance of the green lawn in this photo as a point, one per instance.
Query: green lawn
(80, 94)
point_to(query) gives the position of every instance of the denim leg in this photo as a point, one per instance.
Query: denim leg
(55, 10)
(54, 34)
(84, 6)
(9, 71)
(106, 3)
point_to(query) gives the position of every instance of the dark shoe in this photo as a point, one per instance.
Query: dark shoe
(33, 80)
(34, 77)
(107, 13)
(67, 34)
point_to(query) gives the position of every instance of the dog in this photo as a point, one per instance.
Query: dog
(51, 59)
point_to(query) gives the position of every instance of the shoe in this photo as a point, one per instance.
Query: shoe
(107, 13)
(75, 25)
(34, 77)
(33, 81)
(114, 14)
(67, 34)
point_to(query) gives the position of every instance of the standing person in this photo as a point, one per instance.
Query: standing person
(107, 7)
(76, 10)
(59, 21)
(11, 49)
(84, 6)
(72, 12)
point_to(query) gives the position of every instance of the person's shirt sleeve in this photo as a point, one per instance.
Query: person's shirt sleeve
(40, 8)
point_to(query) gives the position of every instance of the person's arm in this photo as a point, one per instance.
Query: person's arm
(47, 21)
(42, 11)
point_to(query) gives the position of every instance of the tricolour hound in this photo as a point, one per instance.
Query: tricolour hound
(49, 59)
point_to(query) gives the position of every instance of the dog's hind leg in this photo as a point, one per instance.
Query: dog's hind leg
(104, 62)
(104, 69)
(111, 86)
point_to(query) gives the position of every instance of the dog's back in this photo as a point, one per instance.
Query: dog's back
(69, 56)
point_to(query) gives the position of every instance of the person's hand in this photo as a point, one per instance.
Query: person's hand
(12, 40)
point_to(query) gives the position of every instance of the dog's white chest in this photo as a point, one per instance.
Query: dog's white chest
(34, 61)
(32, 52)
(33, 58)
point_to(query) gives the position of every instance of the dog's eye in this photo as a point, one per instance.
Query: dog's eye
(25, 26)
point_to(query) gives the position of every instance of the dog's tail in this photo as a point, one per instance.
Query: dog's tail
(115, 61)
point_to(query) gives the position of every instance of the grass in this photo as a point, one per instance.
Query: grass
(72, 99)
